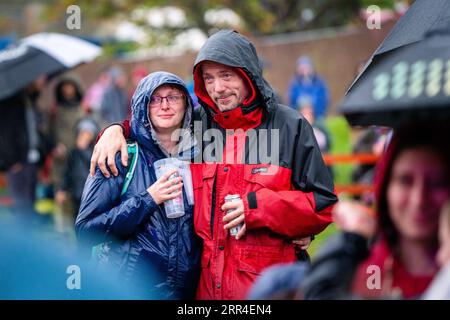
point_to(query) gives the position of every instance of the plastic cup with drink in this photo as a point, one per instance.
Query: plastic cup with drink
(175, 207)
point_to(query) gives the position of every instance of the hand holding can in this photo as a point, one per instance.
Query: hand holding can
(231, 198)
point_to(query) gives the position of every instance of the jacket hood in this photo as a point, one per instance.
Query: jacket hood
(230, 48)
(61, 100)
(141, 128)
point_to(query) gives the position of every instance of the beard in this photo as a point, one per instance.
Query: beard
(226, 106)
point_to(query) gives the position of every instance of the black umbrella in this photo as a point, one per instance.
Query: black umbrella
(42, 53)
(409, 83)
(421, 17)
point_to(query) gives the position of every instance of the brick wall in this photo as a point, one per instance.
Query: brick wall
(336, 53)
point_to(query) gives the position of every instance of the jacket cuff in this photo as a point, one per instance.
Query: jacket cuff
(124, 125)
(251, 198)
(125, 128)
(149, 202)
(250, 203)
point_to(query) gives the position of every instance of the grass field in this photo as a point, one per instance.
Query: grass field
(320, 239)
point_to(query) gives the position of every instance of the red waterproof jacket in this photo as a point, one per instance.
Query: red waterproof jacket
(284, 199)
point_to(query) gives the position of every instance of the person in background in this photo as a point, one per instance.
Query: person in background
(372, 140)
(307, 82)
(67, 112)
(76, 168)
(115, 99)
(306, 109)
(412, 185)
(92, 100)
(24, 145)
(137, 74)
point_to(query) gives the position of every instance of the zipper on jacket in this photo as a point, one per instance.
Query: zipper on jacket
(213, 205)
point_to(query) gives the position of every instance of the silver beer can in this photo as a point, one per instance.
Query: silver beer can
(230, 198)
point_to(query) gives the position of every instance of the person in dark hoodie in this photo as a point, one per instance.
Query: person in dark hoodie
(76, 168)
(24, 144)
(284, 198)
(65, 115)
(146, 247)
(412, 185)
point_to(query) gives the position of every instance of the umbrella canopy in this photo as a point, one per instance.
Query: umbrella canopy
(421, 17)
(42, 53)
(410, 83)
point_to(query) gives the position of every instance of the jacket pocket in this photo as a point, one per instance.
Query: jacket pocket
(202, 174)
(251, 262)
(267, 176)
(254, 259)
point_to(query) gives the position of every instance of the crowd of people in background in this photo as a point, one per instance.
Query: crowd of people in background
(54, 153)
(46, 150)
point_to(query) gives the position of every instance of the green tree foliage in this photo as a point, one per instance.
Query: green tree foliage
(259, 17)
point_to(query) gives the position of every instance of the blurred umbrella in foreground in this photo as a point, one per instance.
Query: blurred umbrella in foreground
(410, 83)
(421, 17)
(41, 53)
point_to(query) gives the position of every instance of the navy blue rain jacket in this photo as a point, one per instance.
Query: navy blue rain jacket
(161, 254)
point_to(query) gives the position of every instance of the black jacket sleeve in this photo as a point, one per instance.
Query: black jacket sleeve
(331, 273)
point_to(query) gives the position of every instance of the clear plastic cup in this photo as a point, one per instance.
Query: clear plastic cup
(174, 208)
(185, 171)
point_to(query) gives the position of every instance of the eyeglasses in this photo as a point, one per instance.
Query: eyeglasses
(172, 99)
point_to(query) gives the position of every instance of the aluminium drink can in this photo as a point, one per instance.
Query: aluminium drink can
(230, 198)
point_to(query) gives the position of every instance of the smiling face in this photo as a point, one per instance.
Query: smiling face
(226, 87)
(418, 187)
(167, 114)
